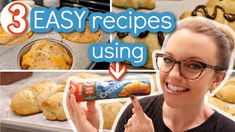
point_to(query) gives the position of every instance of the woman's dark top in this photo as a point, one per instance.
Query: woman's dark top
(152, 107)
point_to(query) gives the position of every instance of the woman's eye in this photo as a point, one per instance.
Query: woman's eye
(194, 66)
(168, 60)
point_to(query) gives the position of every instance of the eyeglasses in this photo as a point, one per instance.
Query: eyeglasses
(189, 69)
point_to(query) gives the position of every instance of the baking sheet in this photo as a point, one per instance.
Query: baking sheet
(9, 53)
(36, 122)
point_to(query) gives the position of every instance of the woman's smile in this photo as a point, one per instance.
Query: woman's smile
(175, 89)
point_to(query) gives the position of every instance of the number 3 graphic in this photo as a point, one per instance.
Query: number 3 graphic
(19, 22)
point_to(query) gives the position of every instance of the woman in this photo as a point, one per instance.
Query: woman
(194, 61)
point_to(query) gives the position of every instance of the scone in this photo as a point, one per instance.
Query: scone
(7, 39)
(153, 41)
(227, 92)
(82, 37)
(218, 103)
(53, 107)
(137, 4)
(216, 13)
(110, 111)
(28, 101)
(46, 55)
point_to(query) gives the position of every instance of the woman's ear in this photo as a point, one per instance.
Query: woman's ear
(219, 77)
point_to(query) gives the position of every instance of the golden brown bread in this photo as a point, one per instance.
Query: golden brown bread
(25, 103)
(84, 75)
(135, 88)
(45, 55)
(29, 101)
(211, 11)
(53, 107)
(227, 92)
(228, 5)
(7, 39)
(218, 103)
(137, 4)
(110, 111)
(82, 37)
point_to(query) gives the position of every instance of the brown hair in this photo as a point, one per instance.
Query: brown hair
(218, 32)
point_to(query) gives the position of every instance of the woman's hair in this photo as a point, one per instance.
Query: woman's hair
(221, 35)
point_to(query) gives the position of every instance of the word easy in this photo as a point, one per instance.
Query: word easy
(119, 51)
(64, 20)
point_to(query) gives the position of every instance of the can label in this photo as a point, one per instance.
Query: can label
(108, 89)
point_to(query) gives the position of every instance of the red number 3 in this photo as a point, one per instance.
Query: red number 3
(19, 22)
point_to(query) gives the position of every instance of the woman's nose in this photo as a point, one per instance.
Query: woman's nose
(175, 72)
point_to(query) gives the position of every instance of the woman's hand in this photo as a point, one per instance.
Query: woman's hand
(139, 122)
(85, 120)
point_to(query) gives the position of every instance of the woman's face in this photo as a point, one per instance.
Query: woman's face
(186, 45)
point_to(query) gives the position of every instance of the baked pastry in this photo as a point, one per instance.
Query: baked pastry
(29, 101)
(228, 5)
(153, 41)
(231, 111)
(45, 54)
(227, 92)
(7, 39)
(218, 103)
(82, 37)
(137, 4)
(135, 88)
(110, 111)
(216, 13)
(84, 75)
(53, 107)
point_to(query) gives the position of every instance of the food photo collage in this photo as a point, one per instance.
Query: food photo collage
(117, 65)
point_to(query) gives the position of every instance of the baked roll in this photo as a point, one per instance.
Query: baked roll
(227, 92)
(29, 101)
(82, 37)
(7, 39)
(45, 55)
(53, 107)
(228, 5)
(135, 88)
(218, 103)
(153, 41)
(231, 111)
(137, 4)
(216, 13)
(110, 111)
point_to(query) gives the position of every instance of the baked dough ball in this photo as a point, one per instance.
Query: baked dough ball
(153, 41)
(110, 111)
(7, 39)
(137, 4)
(135, 88)
(53, 107)
(46, 55)
(25, 103)
(227, 92)
(28, 101)
(215, 13)
(218, 103)
(82, 37)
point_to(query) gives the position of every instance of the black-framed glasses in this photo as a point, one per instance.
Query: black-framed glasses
(189, 69)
